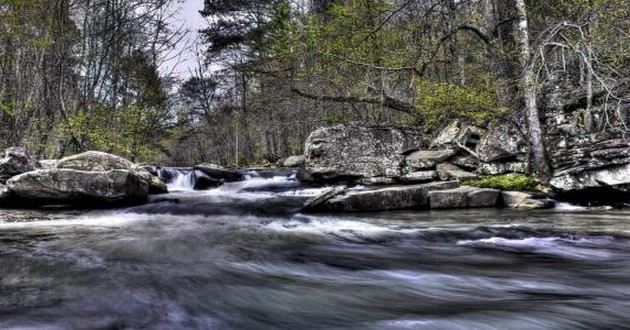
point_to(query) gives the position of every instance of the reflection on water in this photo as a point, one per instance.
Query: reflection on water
(481, 269)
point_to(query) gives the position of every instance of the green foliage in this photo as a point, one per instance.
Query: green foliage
(438, 103)
(512, 181)
(127, 132)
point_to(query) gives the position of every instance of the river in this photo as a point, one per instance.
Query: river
(237, 258)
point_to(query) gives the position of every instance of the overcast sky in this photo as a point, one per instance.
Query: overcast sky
(189, 16)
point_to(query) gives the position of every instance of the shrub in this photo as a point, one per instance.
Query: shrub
(518, 182)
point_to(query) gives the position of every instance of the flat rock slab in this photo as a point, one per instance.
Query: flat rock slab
(449, 171)
(427, 159)
(419, 177)
(385, 199)
(464, 197)
(524, 200)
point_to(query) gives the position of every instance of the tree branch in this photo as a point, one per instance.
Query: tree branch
(386, 101)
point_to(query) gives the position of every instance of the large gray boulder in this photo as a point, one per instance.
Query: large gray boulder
(95, 161)
(16, 160)
(355, 151)
(75, 187)
(384, 199)
(464, 197)
(501, 142)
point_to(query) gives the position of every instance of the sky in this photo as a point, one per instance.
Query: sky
(187, 15)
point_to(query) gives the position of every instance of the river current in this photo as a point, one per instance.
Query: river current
(240, 257)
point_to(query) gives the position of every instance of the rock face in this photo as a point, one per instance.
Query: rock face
(69, 186)
(384, 199)
(220, 173)
(353, 151)
(464, 197)
(605, 164)
(16, 161)
(95, 161)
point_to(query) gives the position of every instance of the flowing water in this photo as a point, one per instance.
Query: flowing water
(240, 257)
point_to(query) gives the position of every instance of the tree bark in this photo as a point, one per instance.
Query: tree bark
(539, 161)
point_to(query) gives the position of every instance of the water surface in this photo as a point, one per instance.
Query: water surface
(224, 259)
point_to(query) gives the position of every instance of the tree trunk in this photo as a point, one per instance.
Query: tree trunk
(539, 161)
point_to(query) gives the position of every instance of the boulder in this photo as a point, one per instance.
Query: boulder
(157, 185)
(75, 187)
(16, 160)
(294, 161)
(419, 177)
(384, 199)
(427, 159)
(95, 161)
(204, 181)
(354, 151)
(220, 173)
(449, 171)
(464, 197)
(524, 200)
(501, 142)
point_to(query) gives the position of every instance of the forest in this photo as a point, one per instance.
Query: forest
(79, 75)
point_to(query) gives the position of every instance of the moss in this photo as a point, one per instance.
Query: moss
(517, 182)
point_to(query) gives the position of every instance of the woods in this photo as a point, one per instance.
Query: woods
(81, 75)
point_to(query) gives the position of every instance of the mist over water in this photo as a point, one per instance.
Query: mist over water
(224, 259)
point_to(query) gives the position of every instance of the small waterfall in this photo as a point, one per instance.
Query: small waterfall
(178, 179)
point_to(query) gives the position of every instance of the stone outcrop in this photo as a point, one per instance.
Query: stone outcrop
(384, 199)
(76, 187)
(16, 160)
(95, 161)
(353, 151)
(464, 197)
(220, 173)
(592, 165)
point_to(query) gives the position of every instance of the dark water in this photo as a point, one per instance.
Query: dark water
(209, 268)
